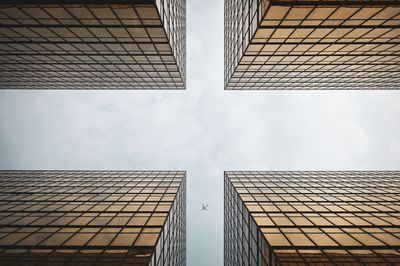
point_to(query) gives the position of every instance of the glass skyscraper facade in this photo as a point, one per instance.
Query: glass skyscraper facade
(116, 44)
(308, 44)
(92, 217)
(312, 218)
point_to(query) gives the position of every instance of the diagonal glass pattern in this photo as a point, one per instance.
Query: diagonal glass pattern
(312, 218)
(294, 44)
(93, 44)
(92, 217)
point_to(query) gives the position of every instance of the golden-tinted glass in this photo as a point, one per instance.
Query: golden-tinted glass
(287, 44)
(95, 217)
(97, 45)
(312, 218)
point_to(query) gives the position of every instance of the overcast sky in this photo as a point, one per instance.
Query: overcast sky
(204, 130)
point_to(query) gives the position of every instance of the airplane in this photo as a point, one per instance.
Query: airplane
(204, 208)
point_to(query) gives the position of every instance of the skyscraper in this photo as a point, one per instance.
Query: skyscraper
(97, 44)
(92, 217)
(308, 44)
(312, 218)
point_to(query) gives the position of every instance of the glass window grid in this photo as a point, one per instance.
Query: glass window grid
(329, 45)
(101, 46)
(111, 227)
(371, 222)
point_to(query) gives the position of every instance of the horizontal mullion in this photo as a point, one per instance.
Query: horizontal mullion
(77, 248)
(352, 54)
(3, 53)
(84, 193)
(86, 26)
(8, 194)
(327, 26)
(78, 183)
(335, 248)
(312, 212)
(320, 64)
(305, 71)
(345, 184)
(325, 193)
(85, 74)
(90, 84)
(78, 42)
(67, 2)
(94, 63)
(333, 87)
(320, 76)
(321, 82)
(84, 212)
(124, 189)
(97, 201)
(138, 88)
(397, 201)
(361, 3)
(330, 226)
(322, 42)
